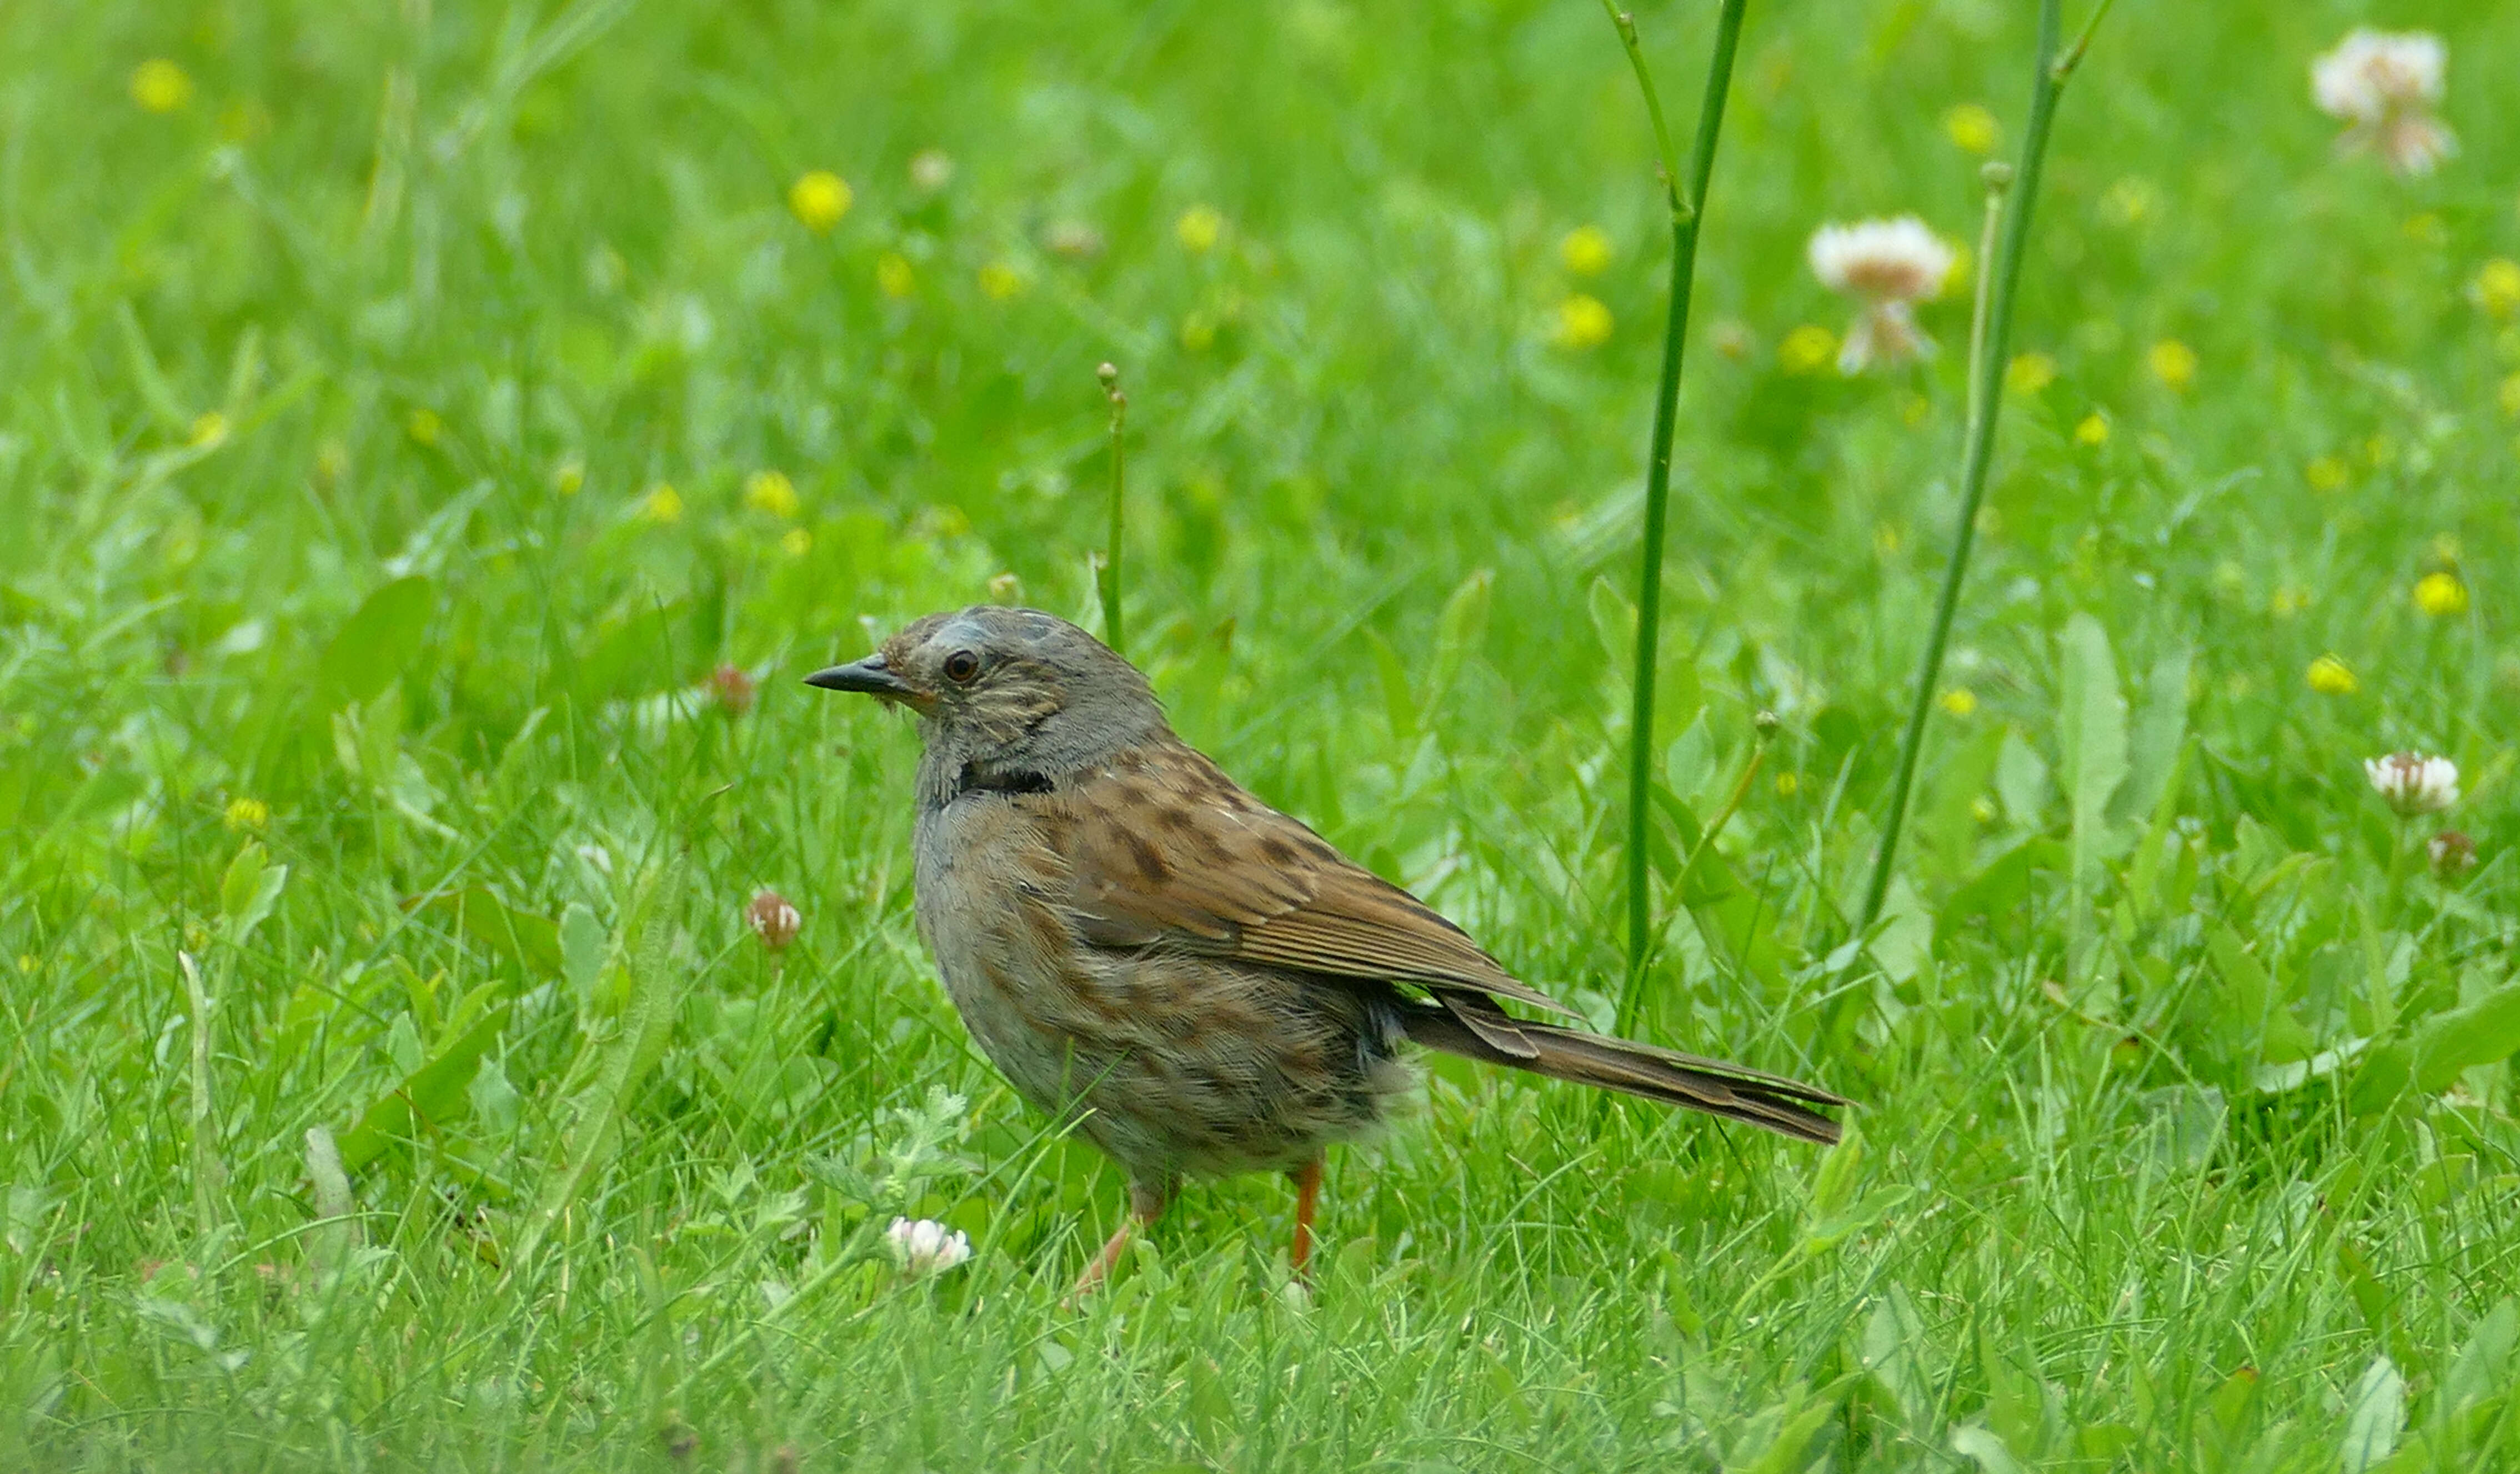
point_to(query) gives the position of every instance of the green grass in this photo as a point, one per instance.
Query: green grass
(2188, 1137)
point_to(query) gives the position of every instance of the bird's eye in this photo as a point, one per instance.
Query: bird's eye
(960, 667)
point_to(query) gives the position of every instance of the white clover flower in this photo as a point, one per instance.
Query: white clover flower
(1886, 265)
(2452, 853)
(925, 1247)
(774, 920)
(2386, 85)
(2413, 783)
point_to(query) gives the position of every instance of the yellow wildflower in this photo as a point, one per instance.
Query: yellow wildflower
(999, 281)
(1807, 349)
(1960, 702)
(2324, 474)
(1582, 322)
(2128, 202)
(893, 276)
(1200, 227)
(2440, 594)
(2174, 363)
(797, 543)
(424, 426)
(569, 476)
(1787, 784)
(1973, 128)
(2029, 372)
(158, 85)
(819, 198)
(2093, 430)
(246, 815)
(2497, 288)
(664, 504)
(1198, 332)
(2329, 677)
(772, 492)
(209, 430)
(1586, 250)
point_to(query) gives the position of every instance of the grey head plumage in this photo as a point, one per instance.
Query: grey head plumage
(1006, 697)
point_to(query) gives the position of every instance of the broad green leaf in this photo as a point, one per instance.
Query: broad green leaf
(2383, 1078)
(249, 891)
(2248, 994)
(2023, 783)
(1840, 1169)
(2091, 746)
(1947, 822)
(431, 1098)
(1893, 1352)
(1688, 764)
(2160, 728)
(379, 641)
(1903, 938)
(2480, 1033)
(2483, 1367)
(532, 942)
(2000, 888)
(1709, 877)
(582, 945)
(1984, 1447)
(1797, 1419)
(2375, 1413)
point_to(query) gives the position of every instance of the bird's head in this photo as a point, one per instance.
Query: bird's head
(1010, 691)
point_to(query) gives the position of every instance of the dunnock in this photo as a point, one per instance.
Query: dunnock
(1202, 983)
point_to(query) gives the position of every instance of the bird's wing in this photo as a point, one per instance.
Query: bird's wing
(1161, 848)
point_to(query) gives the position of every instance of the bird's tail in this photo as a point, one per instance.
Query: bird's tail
(1733, 1091)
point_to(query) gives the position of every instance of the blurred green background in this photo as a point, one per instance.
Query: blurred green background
(436, 436)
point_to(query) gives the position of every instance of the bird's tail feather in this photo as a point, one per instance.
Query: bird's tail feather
(1733, 1091)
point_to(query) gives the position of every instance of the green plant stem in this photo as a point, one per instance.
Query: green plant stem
(1688, 209)
(1109, 580)
(1986, 375)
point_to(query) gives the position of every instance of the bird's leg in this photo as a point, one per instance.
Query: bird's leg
(1146, 1203)
(1308, 1191)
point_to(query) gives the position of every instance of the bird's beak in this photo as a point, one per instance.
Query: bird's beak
(868, 677)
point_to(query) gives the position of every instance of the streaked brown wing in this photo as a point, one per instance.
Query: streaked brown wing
(1162, 848)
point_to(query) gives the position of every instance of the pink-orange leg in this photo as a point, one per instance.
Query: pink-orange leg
(1145, 1205)
(1308, 1193)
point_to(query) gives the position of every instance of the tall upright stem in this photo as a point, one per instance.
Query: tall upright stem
(1109, 580)
(1992, 335)
(1687, 198)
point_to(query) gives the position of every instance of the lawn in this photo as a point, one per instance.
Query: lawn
(435, 438)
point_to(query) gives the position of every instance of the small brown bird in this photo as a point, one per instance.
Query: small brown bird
(1201, 984)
